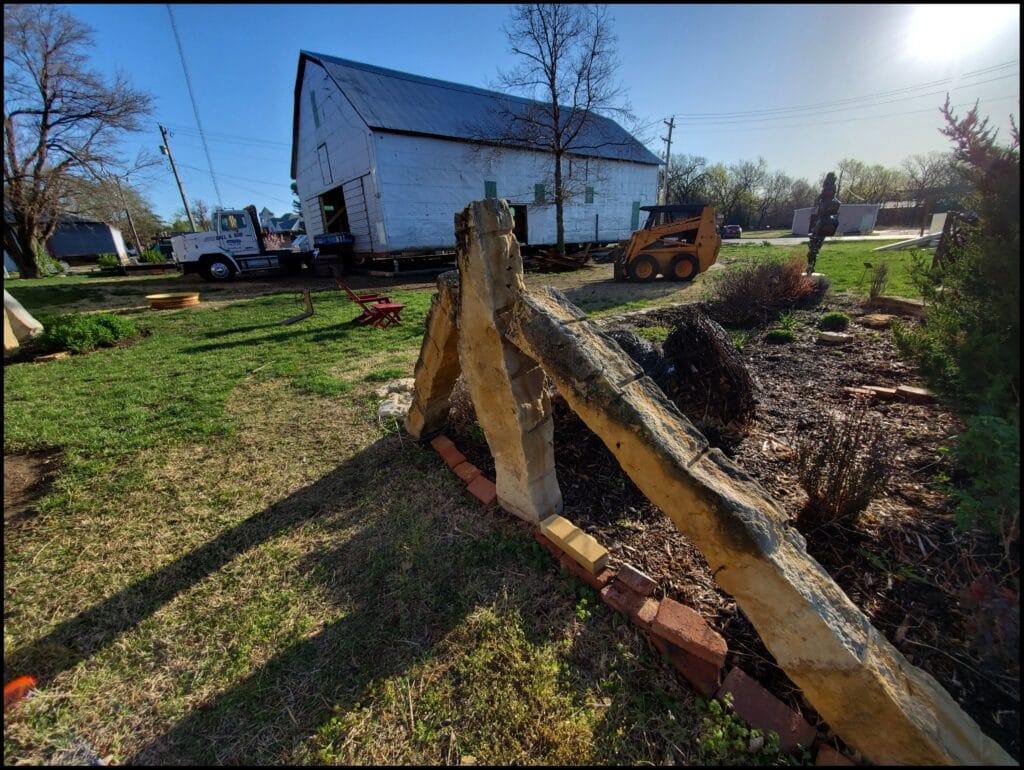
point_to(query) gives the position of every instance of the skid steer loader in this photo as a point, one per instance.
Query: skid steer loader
(678, 242)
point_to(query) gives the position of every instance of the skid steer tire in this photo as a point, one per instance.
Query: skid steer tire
(643, 268)
(684, 267)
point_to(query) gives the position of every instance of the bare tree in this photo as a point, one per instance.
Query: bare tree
(925, 175)
(200, 214)
(744, 179)
(60, 120)
(772, 191)
(802, 194)
(568, 66)
(687, 179)
(111, 200)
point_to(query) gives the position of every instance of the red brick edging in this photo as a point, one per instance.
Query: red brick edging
(678, 633)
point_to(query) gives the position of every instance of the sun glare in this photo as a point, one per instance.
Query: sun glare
(943, 32)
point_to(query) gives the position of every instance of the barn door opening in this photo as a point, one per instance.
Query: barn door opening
(335, 215)
(519, 227)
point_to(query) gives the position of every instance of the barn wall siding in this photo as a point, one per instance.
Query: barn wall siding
(425, 181)
(349, 150)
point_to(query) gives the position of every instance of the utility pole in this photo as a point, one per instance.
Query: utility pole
(165, 148)
(668, 149)
(131, 224)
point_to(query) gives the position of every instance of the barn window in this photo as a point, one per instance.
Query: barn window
(538, 193)
(325, 164)
(490, 189)
(635, 220)
(316, 113)
(589, 195)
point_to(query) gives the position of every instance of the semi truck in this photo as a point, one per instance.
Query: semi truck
(234, 246)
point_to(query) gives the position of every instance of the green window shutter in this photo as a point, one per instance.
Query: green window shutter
(538, 193)
(635, 221)
(316, 112)
(490, 189)
(589, 198)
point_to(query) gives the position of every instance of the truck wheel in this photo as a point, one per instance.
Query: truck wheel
(643, 268)
(217, 269)
(684, 267)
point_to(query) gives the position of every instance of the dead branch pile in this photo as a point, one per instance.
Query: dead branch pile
(550, 260)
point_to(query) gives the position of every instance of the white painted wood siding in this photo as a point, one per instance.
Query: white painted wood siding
(425, 181)
(344, 140)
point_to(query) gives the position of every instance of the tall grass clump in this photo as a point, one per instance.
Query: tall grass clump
(80, 332)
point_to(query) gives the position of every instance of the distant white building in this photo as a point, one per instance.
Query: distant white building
(854, 219)
(391, 157)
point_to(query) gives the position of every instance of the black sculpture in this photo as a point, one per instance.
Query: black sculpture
(824, 219)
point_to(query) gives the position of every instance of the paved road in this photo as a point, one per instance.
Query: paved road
(796, 241)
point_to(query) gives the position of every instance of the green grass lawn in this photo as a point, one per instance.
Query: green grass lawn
(844, 263)
(238, 563)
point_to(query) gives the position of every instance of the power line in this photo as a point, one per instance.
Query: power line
(864, 97)
(863, 117)
(235, 176)
(726, 120)
(261, 194)
(195, 108)
(234, 137)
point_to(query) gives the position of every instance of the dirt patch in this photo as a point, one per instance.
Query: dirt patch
(904, 563)
(27, 477)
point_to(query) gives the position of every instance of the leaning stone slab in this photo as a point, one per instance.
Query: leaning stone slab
(506, 385)
(438, 365)
(867, 691)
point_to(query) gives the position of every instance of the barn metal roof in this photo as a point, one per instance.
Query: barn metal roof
(388, 100)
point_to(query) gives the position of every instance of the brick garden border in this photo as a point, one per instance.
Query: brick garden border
(677, 632)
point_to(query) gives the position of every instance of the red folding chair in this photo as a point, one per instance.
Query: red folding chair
(366, 301)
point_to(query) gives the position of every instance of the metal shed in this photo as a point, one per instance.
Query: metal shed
(391, 157)
(854, 219)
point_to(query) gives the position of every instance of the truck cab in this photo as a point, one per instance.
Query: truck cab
(234, 246)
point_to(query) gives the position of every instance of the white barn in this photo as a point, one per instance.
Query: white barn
(391, 157)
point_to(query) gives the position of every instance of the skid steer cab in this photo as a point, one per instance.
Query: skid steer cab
(234, 246)
(679, 242)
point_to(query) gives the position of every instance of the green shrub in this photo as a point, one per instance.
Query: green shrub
(78, 332)
(969, 347)
(152, 255)
(780, 336)
(834, 322)
(108, 260)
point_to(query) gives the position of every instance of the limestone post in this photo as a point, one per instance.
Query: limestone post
(507, 386)
(438, 365)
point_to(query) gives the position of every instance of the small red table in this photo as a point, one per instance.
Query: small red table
(386, 313)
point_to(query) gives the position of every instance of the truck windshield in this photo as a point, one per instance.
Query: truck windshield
(233, 221)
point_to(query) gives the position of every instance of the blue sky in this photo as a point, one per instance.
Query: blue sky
(801, 86)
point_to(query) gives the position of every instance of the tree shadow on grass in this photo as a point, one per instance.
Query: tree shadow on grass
(406, 556)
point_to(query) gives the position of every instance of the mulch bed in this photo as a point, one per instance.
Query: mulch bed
(904, 563)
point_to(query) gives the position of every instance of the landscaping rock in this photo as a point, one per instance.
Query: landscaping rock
(915, 395)
(877, 320)
(395, 407)
(833, 338)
